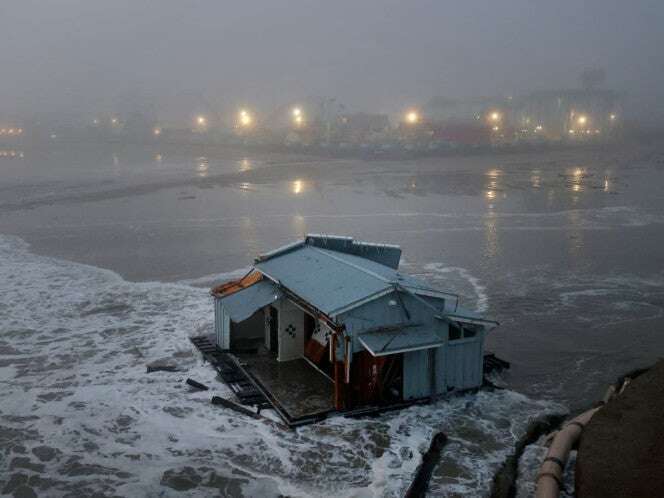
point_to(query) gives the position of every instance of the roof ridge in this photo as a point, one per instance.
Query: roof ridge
(357, 267)
(279, 251)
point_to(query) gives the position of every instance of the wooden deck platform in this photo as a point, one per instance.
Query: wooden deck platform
(243, 388)
(298, 392)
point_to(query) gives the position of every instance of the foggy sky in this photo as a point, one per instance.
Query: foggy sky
(81, 56)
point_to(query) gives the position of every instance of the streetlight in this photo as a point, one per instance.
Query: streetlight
(297, 186)
(412, 117)
(298, 117)
(582, 120)
(244, 118)
(495, 116)
(612, 117)
(156, 131)
(201, 121)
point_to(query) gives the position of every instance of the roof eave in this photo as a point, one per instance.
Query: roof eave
(487, 324)
(431, 345)
(362, 301)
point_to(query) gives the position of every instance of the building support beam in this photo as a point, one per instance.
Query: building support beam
(338, 402)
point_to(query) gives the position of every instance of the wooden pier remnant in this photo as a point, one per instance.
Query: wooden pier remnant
(226, 403)
(420, 484)
(197, 385)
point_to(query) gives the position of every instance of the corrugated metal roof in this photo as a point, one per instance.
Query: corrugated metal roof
(333, 281)
(385, 254)
(401, 339)
(328, 280)
(336, 274)
(245, 302)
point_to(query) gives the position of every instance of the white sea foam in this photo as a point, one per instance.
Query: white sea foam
(440, 272)
(569, 297)
(79, 409)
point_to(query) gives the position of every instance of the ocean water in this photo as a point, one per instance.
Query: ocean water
(80, 416)
(106, 258)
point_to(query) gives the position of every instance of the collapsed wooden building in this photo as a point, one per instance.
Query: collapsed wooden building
(329, 324)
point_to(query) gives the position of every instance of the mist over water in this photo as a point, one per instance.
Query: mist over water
(176, 59)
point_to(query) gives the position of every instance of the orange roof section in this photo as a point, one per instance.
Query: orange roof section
(234, 286)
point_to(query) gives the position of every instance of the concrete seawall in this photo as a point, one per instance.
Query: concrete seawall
(621, 453)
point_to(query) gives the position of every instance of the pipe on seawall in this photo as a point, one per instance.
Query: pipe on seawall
(550, 476)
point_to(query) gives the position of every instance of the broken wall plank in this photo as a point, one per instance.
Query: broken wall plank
(197, 385)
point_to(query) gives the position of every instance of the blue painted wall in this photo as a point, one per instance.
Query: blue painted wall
(457, 364)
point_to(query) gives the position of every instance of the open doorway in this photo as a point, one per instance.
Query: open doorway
(273, 329)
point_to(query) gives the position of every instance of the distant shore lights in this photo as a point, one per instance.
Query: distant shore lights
(201, 122)
(298, 117)
(11, 131)
(245, 119)
(412, 117)
(297, 186)
(494, 119)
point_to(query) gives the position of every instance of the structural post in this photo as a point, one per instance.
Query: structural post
(337, 374)
(347, 358)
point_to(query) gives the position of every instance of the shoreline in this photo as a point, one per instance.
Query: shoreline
(332, 152)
